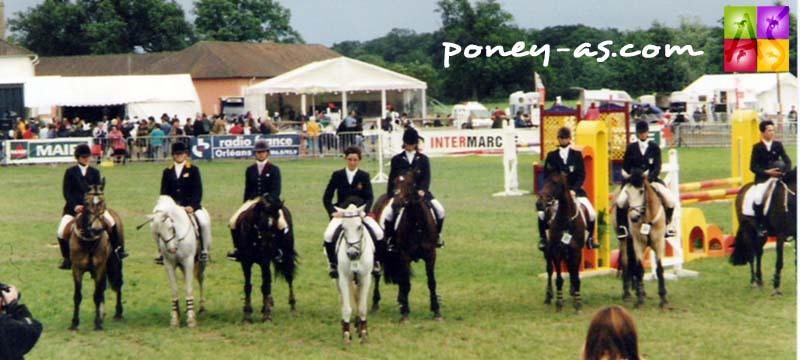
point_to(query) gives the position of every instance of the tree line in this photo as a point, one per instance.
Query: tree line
(78, 27)
(485, 22)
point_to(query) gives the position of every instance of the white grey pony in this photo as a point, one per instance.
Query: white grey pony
(355, 252)
(175, 234)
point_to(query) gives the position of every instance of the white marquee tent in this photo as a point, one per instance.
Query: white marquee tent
(760, 90)
(143, 95)
(340, 75)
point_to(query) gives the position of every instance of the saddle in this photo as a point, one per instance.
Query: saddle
(401, 210)
(68, 228)
(772, 184)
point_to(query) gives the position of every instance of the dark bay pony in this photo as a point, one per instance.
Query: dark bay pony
(566, 234)
(415, 239)
(648, 227)
(781, 222)
(90, 251)
(257, 237)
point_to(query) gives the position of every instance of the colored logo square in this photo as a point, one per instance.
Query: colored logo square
(773, 22)
(773, 55)
(740, 56)
(740, 22)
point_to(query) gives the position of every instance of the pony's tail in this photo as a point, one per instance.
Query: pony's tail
(395, 269)
(742, 249)
(288, 267)
(114, 272)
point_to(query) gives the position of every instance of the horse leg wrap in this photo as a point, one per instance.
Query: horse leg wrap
(189, 305)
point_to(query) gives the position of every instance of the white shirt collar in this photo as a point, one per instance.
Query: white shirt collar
(643, 146)
(350, 174)
(179, 168)
(83, 169)
(768, 144)
(563, 152)
(261, 165)
(410, 156)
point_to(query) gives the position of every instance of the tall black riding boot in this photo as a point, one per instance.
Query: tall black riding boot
(116, 244)
(234, 255)
(761, 221)
(590, 244)
(542, 234)
(439, 224)
(670, 230)
(622, 223)
(330, 250)
(63, 245)
(280, 245)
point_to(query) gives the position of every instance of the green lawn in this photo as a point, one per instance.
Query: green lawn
(492, 298)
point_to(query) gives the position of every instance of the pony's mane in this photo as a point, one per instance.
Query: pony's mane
(165, 204)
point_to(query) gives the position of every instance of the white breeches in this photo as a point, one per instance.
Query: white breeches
(580, 200)
(666, 195)
(388, 212)
(67, 218)
(282, 224)
(204, 222)
(368, 221)
(588, 205)
(755, 196)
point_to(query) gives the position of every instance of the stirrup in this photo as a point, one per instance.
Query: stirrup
(622, 232)
(542, 246)
(204, 257)
(440, 243)
(233, 255)
(65, 264)
(159, 260)
(332, 272)
(121, 253)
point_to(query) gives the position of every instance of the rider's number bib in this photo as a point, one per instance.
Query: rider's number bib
(566, 238)
(645, 230)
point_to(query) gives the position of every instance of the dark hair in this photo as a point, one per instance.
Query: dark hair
(352, 150)
(763, 125)
(612, 334)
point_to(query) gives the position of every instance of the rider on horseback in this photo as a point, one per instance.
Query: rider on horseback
(350, 184)
(181, 181)
(411, 159)
(645, 155)
(570, 162)
(261, 179)
(76, 183)
(768, 161)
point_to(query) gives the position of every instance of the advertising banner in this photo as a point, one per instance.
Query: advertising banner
(472, 142)
(41, 151)
(241, 146)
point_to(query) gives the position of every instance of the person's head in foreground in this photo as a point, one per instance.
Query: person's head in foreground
(612, 336)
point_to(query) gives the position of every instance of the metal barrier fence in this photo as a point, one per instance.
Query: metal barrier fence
(144, 149)
(719, 135)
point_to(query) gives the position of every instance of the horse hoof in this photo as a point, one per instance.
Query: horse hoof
(247, 320)
(191, 324)
(73, 328)
(119, 317)
(627, 297)
(346, 338)
(438, 317)
(375, 308)
(404, 320)
(364, 339)
(202, 310)
(266, 318)
(777, 292)
(98, 328)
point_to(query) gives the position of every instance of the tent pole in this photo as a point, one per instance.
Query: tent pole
(303, 104)
(344, 104)
(381, 176)
(424, 106)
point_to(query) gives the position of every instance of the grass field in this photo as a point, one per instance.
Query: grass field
(492, 299)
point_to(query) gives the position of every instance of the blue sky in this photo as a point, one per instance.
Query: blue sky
(330, 21)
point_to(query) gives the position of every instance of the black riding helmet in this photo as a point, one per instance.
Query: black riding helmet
(564, 133)
(82, 150)
(642, 127)
(411, 137)
(178, 148)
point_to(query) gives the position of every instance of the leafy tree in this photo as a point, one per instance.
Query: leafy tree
(61, 27)
(244, 20)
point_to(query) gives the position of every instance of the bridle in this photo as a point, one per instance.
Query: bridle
(354, 248)
(95, 214)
